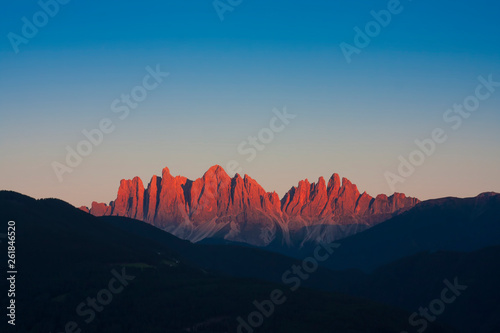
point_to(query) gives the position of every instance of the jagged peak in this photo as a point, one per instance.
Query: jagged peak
(382, 197)
(155, 177)
(154, 182)
(249, 180)
(165, 172)
(346, 182)
(335, 177)
(321, 184)
(171, 199)
(334, 182)
(134, 181)
(304, 184)
(216, 170)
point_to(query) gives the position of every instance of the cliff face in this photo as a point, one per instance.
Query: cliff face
(239, 209)
(339, 203)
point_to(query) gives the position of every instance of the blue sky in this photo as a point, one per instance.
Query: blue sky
(225, 79)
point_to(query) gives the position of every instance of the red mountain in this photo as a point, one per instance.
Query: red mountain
(339, 204)
(239, 209)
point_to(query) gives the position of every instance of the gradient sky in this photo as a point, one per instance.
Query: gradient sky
(225, 79)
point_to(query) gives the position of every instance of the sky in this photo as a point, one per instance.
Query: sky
(231, 70)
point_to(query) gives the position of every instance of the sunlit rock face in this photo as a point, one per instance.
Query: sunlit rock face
(239, 209)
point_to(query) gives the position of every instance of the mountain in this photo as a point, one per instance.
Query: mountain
(415, 281)
(77, 257)
(238, 209)
(447, 224)
(182, 287)
(410, 282)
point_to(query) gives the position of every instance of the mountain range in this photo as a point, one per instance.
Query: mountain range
(373, 281)
(238, 209)
(68, 257)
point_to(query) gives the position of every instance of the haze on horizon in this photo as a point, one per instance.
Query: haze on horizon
(228, 79)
